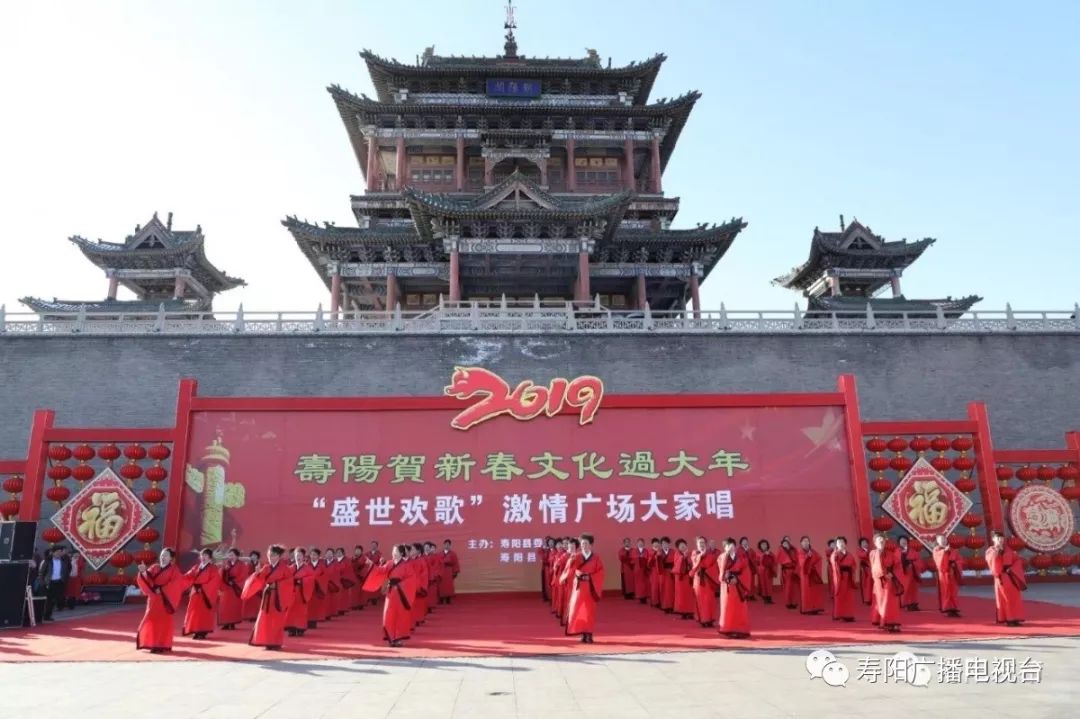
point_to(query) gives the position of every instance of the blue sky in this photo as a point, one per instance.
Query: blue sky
(950, 120)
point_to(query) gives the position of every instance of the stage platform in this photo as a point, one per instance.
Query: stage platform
(515, 625)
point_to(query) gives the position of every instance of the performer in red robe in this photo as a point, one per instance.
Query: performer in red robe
(684, 603)
(350, 584)
(753, 560)
(766, 571)
(303, 582)
(735, 580)
(641, 571)
(654, 573)
(888, 588)
(205, 581)
(544, 556)
(842, 568)
(1008, 571)
(273, 583)
(949, 567)
(333, 586)
(397, 580)
(789, 573)
(230, 606)
(666, 565)
(626, 568)
(587, 588)
(320, 590)
(558, 562)
(74, 587)
(811, 586)
(420, 572)
(830, 548)
(251, 606)
(451, 568)
(704, 572)
(910, 568)
(566, 579)
(435, 570)
(163, 585)
(376, 558)
(866, 582)
(361, 565)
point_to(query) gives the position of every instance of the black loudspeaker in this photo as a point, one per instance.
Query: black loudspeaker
(17, 541)
(13, 578)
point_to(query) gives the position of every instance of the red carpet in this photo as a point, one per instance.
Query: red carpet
(490, 625)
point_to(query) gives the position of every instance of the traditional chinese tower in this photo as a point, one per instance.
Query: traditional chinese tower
(516, 177)
(162, 266)
(846, 271)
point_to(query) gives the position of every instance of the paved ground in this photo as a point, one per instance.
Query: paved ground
(733, 684)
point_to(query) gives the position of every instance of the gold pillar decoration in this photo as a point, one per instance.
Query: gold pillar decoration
(218, 493)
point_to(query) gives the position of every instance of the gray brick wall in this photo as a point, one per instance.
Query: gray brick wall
(1030, 382)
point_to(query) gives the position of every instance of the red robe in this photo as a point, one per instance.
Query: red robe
(910, 567)
(753, 559)
(544, 556)
(789, 576)
(350, 584)
(163, 589)
(202, 601)
(888, 588)
(251, 605)
(399, 583)
(735, 580)
(587, 576)
(361, 566)
(230, 606)
(319, 607)
(333, 588)
(566, 586)
(558, 562)
(866, 582)
(666, 564)
(704, 571)
(655, 583)
(641, 573)
(451, 567)
(74, 586)
(419, 568)
(948, 564)
(1008, 571)
(766, 574)
(303, 582)
(626, 571)
(434, 564)
(685, 602)
(842, 566)
(811, 586)
(274, 585)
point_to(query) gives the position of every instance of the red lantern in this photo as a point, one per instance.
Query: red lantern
(977, 562)
(52, 535)
(10, 508)
(1046, 473)
(109, 452)
(131, 471)
(900, 463)
(59, 472)
(962, 444)
(121, 559)
(878, 464)
(1004, 472)
(941, 464)
(896, 444)
(83, 472)
(956, 541)
(1068, 472)
(881, 485)
(975, 542)
(135, 451)
(13, 485)
(83, 453)
(147, 535)
(1007, 493)
(59, 453)
(153, 495)
(971, 520)
(1026, 474)
(939, 444)
(156, 473)
(1071, 492)
(1015, 543)
(890, 544)
(57, 494)
(159, 452)
(883, 523)
(919, 444)
(1042, 561)
(145, 556)
(1075, 539)
(964, 464)
(965, 484)
(1062, 560)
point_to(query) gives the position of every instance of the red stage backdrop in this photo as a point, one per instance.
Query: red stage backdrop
(496, 489)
